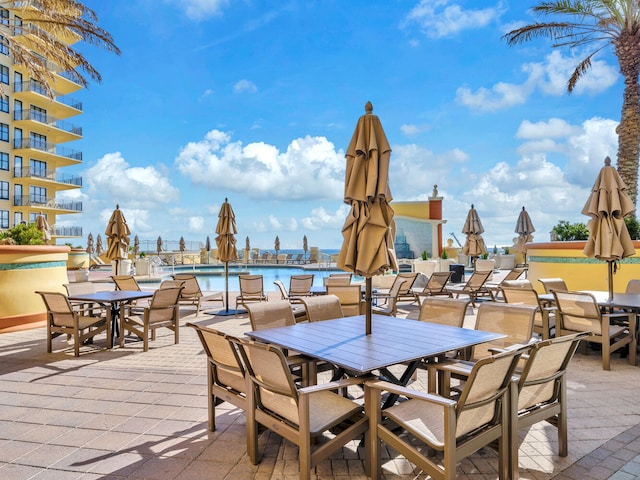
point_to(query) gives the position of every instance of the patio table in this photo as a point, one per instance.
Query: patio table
(393, 341)
(116, 301)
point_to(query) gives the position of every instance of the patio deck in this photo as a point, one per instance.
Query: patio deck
(127, 414)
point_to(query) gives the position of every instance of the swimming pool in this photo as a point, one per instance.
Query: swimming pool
(211, 278)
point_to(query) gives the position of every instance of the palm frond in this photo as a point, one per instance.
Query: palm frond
(578, 72)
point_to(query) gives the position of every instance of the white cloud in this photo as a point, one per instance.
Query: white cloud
(319, 218)
(554, 128)
(443, 18)
(549, 77)
(202, 9)
(413, 130)
(309, 169)
(196, 224)
(245, 86)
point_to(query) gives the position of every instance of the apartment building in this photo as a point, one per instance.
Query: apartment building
(35, 133)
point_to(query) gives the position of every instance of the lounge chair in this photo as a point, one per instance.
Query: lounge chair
(436, 285)
(163, 311)
(192, 294)
(62, 319)
(97, 262)
(405, 293)
(513, 274)
(300, 415)
(474, 288)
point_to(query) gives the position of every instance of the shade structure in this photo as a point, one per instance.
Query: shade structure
(276, 246)
(159, 245)
(226, 243)
(369, 230)
(474, 245)
(524, 229)
(90, 248)
(207, 248)
(305, 246)
(99, 247)
(607, 205)
(117, 233)
(181, 246)
(43, 226)
(136, 245)
(247, 244)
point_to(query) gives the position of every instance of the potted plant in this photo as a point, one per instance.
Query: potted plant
(484, 264)
(507, 259)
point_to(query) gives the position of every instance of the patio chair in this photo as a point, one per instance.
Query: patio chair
(521, 292)
(542, 391)
(322, 307)
(406, 280)
(300, 286)
(579, 312)
(299, 312)
(513, 274)
(443, 311)
(474, 288)
(436, 285)
(300, 415)
(514, 321)
(336, 280)
(551, 284)
(192, 294)
(128, 282)
(480, 416)
(342, 275)
(226, 380)
(251, 290)
(163, 311)
(633, 286)
(350, 298)
(390, 305)
(90, 309)
(62, 319)
(97, 262)
(277, 313)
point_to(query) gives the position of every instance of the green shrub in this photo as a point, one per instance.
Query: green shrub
(633, 226)
(424, 255)
(444, 255)
(24, 234)
(566, 231)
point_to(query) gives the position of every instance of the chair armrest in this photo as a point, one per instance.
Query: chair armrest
(408, 392)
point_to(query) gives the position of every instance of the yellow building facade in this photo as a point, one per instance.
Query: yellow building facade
(35, 132)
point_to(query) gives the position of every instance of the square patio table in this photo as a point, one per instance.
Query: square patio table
(115, 300)
(393, 341)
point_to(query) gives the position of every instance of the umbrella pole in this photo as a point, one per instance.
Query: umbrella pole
(226, 285)
(368, 300)
(610, 279)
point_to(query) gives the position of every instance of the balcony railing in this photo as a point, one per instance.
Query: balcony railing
(33, 86)
(42, 117)
(52, 175)
(48, 147)
(66, 231)
(38, 201)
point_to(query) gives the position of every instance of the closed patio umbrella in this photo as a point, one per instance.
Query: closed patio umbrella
(607, 205)
(474, 245)
(99, 247)
(524, 229)
(181, 246)
(43, 226)
(207, 248)
(276, 246)
(90, 248)
(136, 245)
(226, 243)
(159, 245)
(369, 230)
(305, 245)
(117, 233)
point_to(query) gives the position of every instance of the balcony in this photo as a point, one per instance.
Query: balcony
(45, 203)
(42, 176)
(47, 151)
(57, 231)
(57, 131)
(33, 92)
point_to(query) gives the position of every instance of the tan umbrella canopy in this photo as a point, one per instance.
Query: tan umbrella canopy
(305, 245)
(524, 229)
(90, 248)
(136, 245)
(369, 230)
(181, 246)
(474, 245)
(159, 245)
(226, 243)
(99, 246)
(276, 246)
(207, 247)
(43, 226)
(608, 204)
(117, 233)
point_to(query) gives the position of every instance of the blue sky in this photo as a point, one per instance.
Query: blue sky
(257, 101)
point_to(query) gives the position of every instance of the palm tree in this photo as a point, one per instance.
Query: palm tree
(599, 24)
(39, 36)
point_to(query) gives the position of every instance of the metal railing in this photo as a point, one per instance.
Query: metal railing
(36, 87)
(38, 201)
(48, 147)
(52, 175)
(42, 117)
(66, 231)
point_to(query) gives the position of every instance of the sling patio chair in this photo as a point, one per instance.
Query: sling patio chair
(406, 281)
(226, 380)
(436, 285)
(579, 312)
(480, 416)
(163, 312)
(443, 311)
(299, 312)
(128, 282)
(542, 391)
(521, 292)
(551, 284)
(304, 416)
(300, 286)
(192, 294)
(62, 319)
(335, 280)
(251, 290)
(390, 305)
(474, 288)
(322, 307)
(513, 274)
(350, 298)
(90, 309)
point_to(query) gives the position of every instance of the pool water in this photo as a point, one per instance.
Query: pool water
(213, 278)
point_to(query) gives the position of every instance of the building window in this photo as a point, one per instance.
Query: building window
(38, 141)
(4, 48)
(4, 103)
(4, 190)
(4, 16)
(4, 132)
(38, 168)
(38, 195)
(38, 114)
(4, 161)
(4, 218)
(4, 74)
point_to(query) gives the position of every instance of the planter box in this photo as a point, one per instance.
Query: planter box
(142, 267)
(483, 265)
(506, 261)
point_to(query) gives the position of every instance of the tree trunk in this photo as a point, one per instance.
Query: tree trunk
(627, 48)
